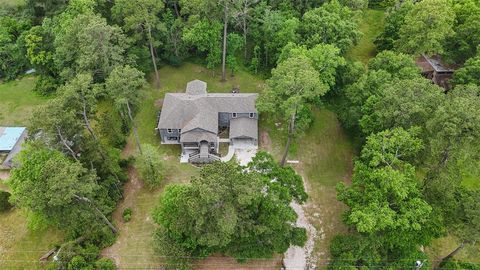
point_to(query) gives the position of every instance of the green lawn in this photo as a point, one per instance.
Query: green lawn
(18, 101)
(371, 24)
(11, 3)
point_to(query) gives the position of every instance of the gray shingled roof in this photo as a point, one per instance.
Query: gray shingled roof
(190, 111)
(244, 127)
(196, 87)
(198, 136)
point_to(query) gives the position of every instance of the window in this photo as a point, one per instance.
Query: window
(252, 115)
(179, 131)
(234, 115)
(169, 130)
(173, 138)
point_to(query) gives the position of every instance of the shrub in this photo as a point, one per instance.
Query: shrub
(150, 166)
(5, 205)
(127, 214)
(105, 264)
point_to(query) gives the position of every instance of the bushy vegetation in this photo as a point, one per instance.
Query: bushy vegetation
(5, 205)
(127, 214)
(214, 212)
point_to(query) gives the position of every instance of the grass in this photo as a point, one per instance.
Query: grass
(371, 23)
(11, 3)
(325, 155)
(18, 101)
(443, 246)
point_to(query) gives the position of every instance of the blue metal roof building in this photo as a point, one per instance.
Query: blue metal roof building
(9, 136)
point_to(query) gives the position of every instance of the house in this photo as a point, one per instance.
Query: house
(197, 119)
(434, 69)
(11, 139)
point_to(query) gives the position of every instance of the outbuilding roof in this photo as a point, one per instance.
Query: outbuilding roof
(9, 136)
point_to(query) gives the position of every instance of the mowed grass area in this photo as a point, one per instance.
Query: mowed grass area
(371, 23)
(325, 155)
(20, 248)
(11, 3)
(17, 101)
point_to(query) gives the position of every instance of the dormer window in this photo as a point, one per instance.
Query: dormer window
(252, 115)
(169, 130)
(234, 115)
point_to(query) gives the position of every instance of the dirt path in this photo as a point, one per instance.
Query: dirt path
(4, 175)
(130, 190)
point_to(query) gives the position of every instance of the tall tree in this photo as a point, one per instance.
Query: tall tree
(426, 27)
(150, 166)
(61, 190)
(331, 23)
(124, 86)
(227, 209)
(141, 17)
(88, 44)
(294, 83)
(469, 73)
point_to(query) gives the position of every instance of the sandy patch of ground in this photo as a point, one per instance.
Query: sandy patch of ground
(4, 175)
(265, 141)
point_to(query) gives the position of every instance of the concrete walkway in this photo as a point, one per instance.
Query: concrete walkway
(229, 155)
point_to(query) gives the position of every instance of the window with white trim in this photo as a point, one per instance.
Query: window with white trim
(252, 115)
(169, 130)
(234, 115)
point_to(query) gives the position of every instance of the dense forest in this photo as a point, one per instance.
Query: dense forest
(417, 142)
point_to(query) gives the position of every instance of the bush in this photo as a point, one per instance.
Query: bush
(150, 166)
(127, 214)
(5, 205)
(105, 264)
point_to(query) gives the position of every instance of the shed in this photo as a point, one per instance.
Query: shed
(11, 139)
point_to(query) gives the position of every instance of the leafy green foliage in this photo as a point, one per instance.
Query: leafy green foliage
(227, 209)
(426, 27)
(150, 166)
(331, 23)
(4, 203)
(206, 37)
(49, 184)
(127, 214)
(469, 73)
(12, 57)
(394, 19)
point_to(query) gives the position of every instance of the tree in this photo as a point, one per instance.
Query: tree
(12, 57)
(235, 44)
(277, 30)
(205, 36)
(426, 27)
(325, 59)
(293, 84)
(394, 19)
(464, 44)
(386, 206)
(228, 210)
(331, 23)
(383, 70)
(469, 73)
(140, 17)
(401, 103)
(150, 166)
(174, 45)
(79, 47)
(49, 184)
(124, 86)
